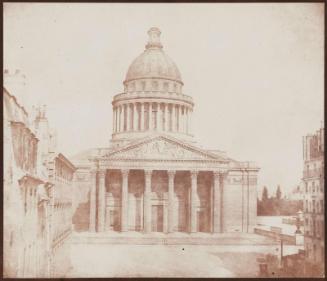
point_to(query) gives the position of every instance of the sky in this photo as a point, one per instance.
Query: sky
(255, 72)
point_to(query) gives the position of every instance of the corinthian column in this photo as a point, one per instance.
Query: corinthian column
(183, 119)
(122, 114)
(101, 200)
(187, 121)
(128, 117)
(142, 117)
(216, 202)
(223, 175)
(124, 200)
(135, 117)
(173, 118)
(166, 126)
(150, 116)
(113, 120)
(118, 120)
(147, 201)
(171, 177)
(159, 118)
(194, 183)
(92, 201)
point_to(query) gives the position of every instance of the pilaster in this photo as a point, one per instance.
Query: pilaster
(93, 201)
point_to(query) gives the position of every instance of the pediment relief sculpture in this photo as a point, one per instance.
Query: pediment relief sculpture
(160, 149)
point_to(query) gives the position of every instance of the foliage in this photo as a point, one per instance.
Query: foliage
(277, 206)
(278, 193)
(264, 194)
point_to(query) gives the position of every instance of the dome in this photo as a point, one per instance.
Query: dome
(153, 62)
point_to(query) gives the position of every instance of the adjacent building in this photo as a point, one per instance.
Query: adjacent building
(60, 173)
(37, 196)
(154, 176)
(22, 201)
(313, 181)
(296, 194)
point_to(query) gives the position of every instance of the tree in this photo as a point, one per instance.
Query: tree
(264, 194)
(278, 193)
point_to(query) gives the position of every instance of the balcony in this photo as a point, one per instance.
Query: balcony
(152, 94)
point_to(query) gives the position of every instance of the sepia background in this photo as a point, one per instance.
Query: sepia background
(255, 72)
(85, 199)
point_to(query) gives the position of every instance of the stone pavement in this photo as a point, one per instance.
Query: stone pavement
(231, 255)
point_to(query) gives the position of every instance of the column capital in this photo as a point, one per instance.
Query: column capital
(216, 174)
(171, 173)
(102, 173)
(147, 173)
(219, 173)
(194, 173)
(93, 172)
(124, 172)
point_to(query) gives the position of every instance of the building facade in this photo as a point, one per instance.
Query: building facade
(37, 197)
(154, 177)
(59, 172)
(21, 197)
(314, 186)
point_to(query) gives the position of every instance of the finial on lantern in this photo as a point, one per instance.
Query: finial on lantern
(154, 38)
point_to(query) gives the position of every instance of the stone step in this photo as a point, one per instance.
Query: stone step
(168, 240)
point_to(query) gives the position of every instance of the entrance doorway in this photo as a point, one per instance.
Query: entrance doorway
(114, 220)
(157, 218)
(201, 221)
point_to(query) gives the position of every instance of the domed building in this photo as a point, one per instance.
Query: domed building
(152, 101)
(154, 177)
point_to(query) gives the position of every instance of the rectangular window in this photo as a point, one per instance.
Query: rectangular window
(322, 206)
(166, 87)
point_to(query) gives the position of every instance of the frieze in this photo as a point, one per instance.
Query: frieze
(160, 165)
(242, 181)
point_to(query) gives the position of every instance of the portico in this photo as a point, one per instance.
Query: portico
(148, 200)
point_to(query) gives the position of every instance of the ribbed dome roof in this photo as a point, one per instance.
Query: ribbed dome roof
(153, 62)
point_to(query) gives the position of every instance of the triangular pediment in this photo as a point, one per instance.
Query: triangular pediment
(162, 148)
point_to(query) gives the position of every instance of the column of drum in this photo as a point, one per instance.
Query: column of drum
(169, 117)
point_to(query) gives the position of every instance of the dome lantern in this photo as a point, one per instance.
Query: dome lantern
(154, 38)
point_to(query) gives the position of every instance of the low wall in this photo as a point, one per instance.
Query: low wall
(268, 233)
(291, 221)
